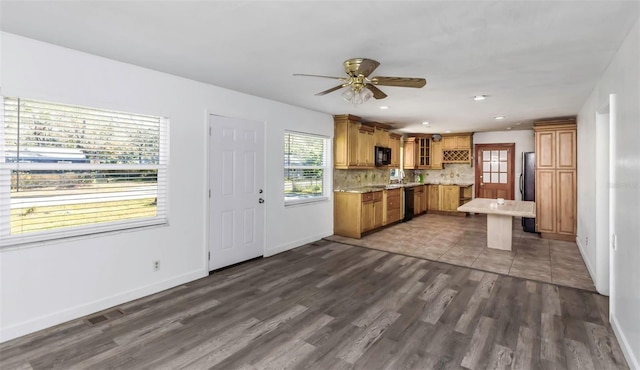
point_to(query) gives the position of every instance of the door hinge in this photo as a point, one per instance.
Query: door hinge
(209, 131)
(209, 256)
(209, 193)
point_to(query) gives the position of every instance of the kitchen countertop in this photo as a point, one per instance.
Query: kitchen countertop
(509, 208)
(372, 188)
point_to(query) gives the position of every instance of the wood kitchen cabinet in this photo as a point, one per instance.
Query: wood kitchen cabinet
(366, 141)
(394, 144)
(417, 152)
(419, 196)
(456, 142)
(447, 198)
(354, 143)
(372, 211)
(345, 142)
(433, 195)
(393, 203)
(436, 155)
(556, 153)
(457, 148)
(409, 160)
(357, 213)
(381, 137)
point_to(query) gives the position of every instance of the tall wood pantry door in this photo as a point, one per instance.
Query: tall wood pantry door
(495, 170)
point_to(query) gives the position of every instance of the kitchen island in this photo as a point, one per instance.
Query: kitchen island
(499, 218)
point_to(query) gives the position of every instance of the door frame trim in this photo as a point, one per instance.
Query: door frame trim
(478, 163)
(208, 113)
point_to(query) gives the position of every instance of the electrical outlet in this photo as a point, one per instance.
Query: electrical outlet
(156, 265)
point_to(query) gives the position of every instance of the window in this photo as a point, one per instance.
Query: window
(68, 171)
(305, 167)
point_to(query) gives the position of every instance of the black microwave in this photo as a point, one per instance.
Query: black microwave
(382, 156)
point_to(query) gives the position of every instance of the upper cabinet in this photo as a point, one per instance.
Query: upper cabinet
(422, 152)
(456, 148)
(394, 144)
(556, 144)
(366, 143)
(354, 143)
(417, 152)
(345, 148)
(381, 137)
(436, 155)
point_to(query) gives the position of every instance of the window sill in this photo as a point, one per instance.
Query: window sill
(71, 237)
(304, 201)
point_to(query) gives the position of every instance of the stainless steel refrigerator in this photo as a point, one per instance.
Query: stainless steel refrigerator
(528, 187)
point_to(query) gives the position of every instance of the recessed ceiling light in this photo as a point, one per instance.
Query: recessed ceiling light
(518, 124)
(384, 107)
(425, 123)
(479, 97)
(499, 117)
(508, 128)
(448, 131)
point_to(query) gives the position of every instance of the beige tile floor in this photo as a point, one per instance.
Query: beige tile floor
(463, 241)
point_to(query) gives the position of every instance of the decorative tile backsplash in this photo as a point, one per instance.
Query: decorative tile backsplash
(345, 179)
(451, 174)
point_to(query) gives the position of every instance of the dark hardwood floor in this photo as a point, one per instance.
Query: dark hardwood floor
(333, 306)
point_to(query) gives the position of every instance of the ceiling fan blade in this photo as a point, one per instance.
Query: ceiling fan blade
(399, 81)
(377, 93)
(366, 67)
(331, 89)
(332, 77)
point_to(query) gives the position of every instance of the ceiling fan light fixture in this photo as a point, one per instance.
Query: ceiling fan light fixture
(357, 95)
(361, 87)
(366, 94)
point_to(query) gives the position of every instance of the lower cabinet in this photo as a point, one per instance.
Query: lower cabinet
(433, 193)
(357, 213)
(418, 197)
(393, 203)
(447, 198)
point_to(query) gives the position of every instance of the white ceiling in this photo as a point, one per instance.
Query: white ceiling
(534, 59)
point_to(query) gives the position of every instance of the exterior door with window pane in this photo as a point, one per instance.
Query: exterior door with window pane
(495, 171)
(236, 180)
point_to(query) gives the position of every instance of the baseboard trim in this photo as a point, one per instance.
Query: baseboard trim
(587, 262)
(631, 358)
(59, 317)
(295, 244)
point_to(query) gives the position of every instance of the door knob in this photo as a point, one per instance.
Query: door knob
(261, 200)
(260, 191)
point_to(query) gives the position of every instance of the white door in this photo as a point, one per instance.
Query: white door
(236, 180)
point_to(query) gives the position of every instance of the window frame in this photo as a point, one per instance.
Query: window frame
(45, 236)
(325, 168)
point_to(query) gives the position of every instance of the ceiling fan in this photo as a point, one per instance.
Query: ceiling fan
(361, 86)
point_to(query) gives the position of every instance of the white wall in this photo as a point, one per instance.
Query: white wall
(621, 78)
(43, 285)
(524, 140)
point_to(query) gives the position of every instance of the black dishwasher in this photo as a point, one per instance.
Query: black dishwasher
(408, 203)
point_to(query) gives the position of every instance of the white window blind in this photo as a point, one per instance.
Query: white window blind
(305, 167)
(69, 171)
